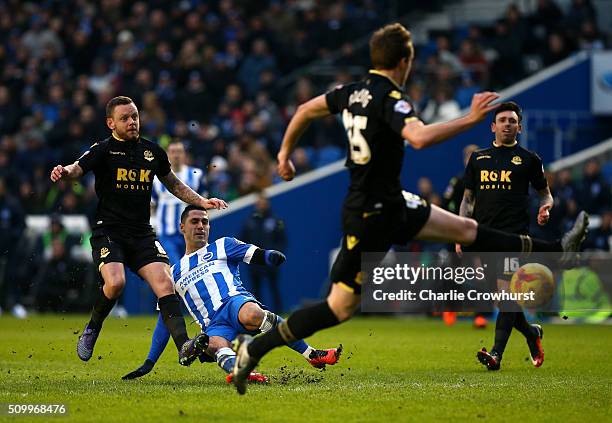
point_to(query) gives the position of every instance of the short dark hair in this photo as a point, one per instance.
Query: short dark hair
(188, 209)
(509, 106)
(116, 101)
(389, 45)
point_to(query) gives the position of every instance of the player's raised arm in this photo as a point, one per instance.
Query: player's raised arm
(305, 114)
(420, 135)
(189, 196)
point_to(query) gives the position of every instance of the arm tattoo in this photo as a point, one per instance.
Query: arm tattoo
(180, 190)
(546, 197)
(467, 204)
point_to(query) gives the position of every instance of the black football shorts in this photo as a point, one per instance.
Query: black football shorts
(133, 249)
(375, 230)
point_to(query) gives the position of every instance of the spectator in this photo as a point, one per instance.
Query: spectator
(446, 56)
(59, 281)
(590, 38)
(507, 66)
(557, 49)
(12, 226)
(301, 161)
(426, 191)
(258, 61)
(474, 62)
(594, 194)
(267, 231)
(9, 113)
(442, 107)
(546, 18)
(579, 12)
(600, 238)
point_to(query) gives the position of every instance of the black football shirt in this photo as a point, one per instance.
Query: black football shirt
(373, 112)
(499, 177)
(124, 172)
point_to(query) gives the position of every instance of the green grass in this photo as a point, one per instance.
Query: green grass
(392, 370)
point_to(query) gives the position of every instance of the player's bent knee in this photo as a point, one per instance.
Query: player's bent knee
(342, 310)
(343, 313)
(342, 303)
(114, 284)
(467, 231)
(251, 315)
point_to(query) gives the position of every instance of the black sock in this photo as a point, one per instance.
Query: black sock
(488, 239)
(521, 324)
(503, 329)
(169, 307)
(543, 246)
(299, 325)
(101, 308)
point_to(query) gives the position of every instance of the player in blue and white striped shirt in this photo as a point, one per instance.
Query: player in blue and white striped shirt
(168, 208)
(207, 278)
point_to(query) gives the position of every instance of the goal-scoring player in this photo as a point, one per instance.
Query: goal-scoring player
(124, 166)
(207, 279)
(378, 117)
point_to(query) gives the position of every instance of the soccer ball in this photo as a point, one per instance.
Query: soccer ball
(536, 278)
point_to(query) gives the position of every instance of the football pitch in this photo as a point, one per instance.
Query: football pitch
(392, 370)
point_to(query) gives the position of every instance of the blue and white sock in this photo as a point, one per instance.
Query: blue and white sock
(226, 358)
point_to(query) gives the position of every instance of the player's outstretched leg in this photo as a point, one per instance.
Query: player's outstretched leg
(489, 239)
(317, 358)
(245, 364)
(339, 306)
(446, 227)
(572, 239)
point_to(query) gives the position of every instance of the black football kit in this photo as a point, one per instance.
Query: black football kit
(376, 212)
(124, 173)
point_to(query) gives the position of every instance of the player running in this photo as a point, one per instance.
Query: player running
(378, 117)
(504, 204)
(124, 166)
(207, 278)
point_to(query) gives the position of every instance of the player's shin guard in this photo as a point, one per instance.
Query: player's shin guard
(300, 325)
(170, 310)
(100, 311)
(226, 357)
(269, 322)
(488, 239)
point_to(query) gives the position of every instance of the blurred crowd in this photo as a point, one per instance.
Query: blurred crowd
(455, 64)
(209, 73)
